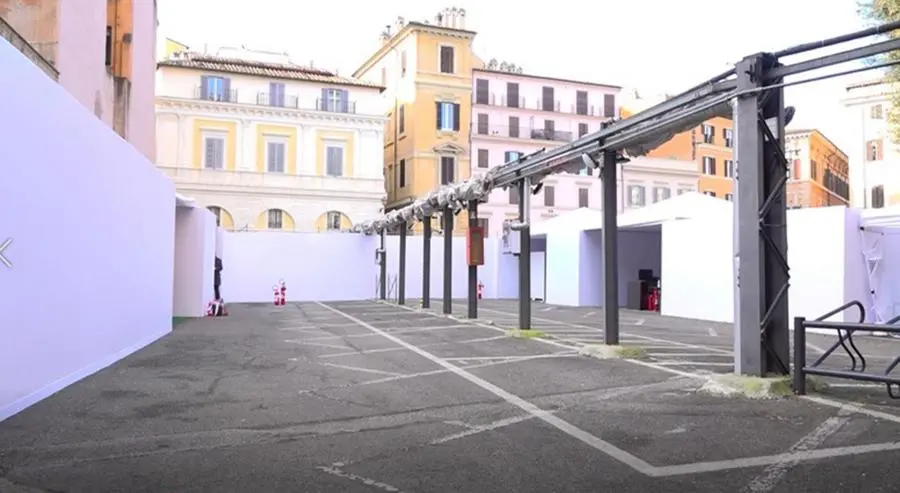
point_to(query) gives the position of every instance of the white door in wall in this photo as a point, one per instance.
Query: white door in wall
(537, 275)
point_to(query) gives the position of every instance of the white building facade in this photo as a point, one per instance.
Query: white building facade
(874, 158)
(517, 113)
(270, 145)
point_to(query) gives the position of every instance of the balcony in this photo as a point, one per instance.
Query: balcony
(336, 106)
(501, 100)
(278, 101)
(221, 180)
(222, 96)
(549, 105)
(507, 132)
(556, 106)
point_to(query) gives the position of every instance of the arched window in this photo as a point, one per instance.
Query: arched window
(275, 219)
(334, 220)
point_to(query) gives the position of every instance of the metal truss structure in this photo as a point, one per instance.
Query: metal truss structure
(752, 95)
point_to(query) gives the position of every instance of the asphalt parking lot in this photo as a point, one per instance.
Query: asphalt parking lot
(366, 397)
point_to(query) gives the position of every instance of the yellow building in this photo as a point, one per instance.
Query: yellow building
(427, 70)
(819, 170)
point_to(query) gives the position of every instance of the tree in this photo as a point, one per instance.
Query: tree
(880, 12)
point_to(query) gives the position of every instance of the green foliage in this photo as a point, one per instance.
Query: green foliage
(876, 12)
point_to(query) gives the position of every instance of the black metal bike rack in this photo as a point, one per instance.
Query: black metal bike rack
(845, 331)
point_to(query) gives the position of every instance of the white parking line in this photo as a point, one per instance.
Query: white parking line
(307, 343)
(365, 370)
(691, 363)
(401, 331)
(689, 355)
(393, 349)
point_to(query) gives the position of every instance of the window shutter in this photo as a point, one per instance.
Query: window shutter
(323, 105)
(437, 107)
(226, 89)
(210, 153)
(204, 87)
(345, 101)
(456, 117)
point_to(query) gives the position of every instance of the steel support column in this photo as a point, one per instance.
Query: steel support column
(448, 261)
(525, 254)
(473, 269)
(382, 268)
(426, 262)
(762, 334)
(610, 250)
(401, 269)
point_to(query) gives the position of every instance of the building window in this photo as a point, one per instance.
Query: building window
(482, 126)
(549, 196)
(548, 103)
(216, 211)
(402, 172)
(512, 95)
(583, 197)
(709, 133)
(334, 160)
(609, 105)
(636, 195)
(215, 88)
(581, 102)
(483, 158)
(401, 119)
(813, 170)
(514, 195)
(878, 197)
(275, 156)
(448, 170)
(682, 191)
(661, 193)
(447, 60)
(333, 221)
(447, 116)
(729, 197)
(275, 219)
(729, 168)
(514, 127)
(213, 152)
(109, 45)
(402, 64)
(484, 224)
(335, 101)
(728, 136)
(877, 112)
(795, 169)
(276, 94)
(482, 91)
(582, 129)
(510, 156)
(710, 193)
(709, 165)
(874, 150)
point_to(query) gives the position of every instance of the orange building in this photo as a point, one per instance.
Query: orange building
(818, 171)
(711, 146)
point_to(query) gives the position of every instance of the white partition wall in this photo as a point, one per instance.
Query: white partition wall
(314, 266)
(563, 272)
(92, 225)
(195, 252)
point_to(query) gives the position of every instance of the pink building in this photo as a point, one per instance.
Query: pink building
(519, 113)
(102, 51)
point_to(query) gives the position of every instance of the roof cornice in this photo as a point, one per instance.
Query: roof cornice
(239, 110)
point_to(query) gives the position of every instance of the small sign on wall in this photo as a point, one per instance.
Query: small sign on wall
(475, 245)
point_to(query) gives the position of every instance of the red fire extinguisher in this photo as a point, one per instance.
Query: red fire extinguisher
(480, 290)
(283, 287)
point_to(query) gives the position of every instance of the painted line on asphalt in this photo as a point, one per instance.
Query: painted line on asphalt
(545, 416)
(773, 474)
(691, 363)
(365, 370)
(394, 349)
(335, 470)
(410, 330)
(688, 355)
(566, 354)
(317, 344)
(474, 430)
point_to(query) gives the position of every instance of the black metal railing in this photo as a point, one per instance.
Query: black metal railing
(277, 100)
(549, 105)
(336, 106)
(845, 331)
(520, 132)
(502, 100)
(219, 95)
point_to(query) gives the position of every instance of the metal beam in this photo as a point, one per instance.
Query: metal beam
(382, 269)
(426, 262)
(525, 254)
(834, 59)
(401, 269)
(473, 269)
(610, 249)
(761, 311)
(448, 261)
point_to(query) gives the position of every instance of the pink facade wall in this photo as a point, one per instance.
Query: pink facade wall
(142, 123)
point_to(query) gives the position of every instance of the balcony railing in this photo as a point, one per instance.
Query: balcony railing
(336, 106)
(279, 100)
(503, 101)
(520, 132)
(549, 105)
(288, 183)
(221, 95)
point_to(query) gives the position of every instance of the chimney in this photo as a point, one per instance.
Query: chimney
(462, 18)
(454, 18)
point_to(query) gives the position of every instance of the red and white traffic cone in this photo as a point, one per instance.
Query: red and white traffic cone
(277, 293)
(283, 288)
(480, 290)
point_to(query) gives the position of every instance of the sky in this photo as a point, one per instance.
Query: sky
(652, 45)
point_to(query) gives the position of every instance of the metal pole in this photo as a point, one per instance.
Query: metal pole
(473, 269)
(426, 263)
(401, 269)
(798, 377)
(762, 335)
(382, 261)
(448, 261)
(610, 251)
(525, 254)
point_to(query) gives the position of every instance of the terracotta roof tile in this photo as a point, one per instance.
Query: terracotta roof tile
(290, 71)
